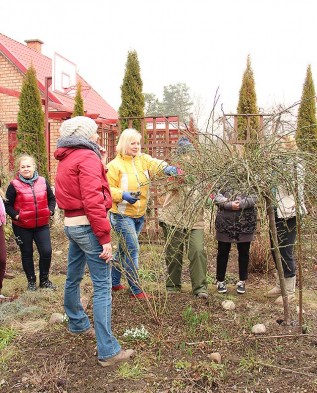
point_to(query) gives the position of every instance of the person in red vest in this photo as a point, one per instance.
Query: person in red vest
(30, 203)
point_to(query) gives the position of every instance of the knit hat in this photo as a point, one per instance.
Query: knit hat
(184, 145)
(78, 126)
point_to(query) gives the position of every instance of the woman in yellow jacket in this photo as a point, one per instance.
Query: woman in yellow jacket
(129, 177)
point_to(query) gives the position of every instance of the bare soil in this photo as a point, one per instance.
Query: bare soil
(183, 333)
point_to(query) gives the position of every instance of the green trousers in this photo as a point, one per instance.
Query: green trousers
(192, 242)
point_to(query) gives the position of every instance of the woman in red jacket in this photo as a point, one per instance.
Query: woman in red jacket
(30, 202)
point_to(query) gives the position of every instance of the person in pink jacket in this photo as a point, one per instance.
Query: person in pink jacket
(3, 250)
(82, 191)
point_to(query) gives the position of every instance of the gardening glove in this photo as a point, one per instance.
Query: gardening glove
(170, 170)
(127, 196)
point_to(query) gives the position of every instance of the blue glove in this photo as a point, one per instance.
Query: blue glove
(126, 195)
(170, 170)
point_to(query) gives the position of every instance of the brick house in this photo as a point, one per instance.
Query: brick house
(15, 59)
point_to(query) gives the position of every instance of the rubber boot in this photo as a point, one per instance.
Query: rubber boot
(290, 283)
(276, 291)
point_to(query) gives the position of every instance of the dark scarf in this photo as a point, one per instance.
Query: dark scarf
(79, 143)
(29, 181)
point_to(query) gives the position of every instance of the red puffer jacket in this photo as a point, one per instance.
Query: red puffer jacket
(81, 188)
(31, 203)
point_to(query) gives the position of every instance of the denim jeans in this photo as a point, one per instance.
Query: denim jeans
(42, 238)
(128, 230)
(84, 246)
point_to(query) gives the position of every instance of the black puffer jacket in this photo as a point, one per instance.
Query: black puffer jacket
(235, 226)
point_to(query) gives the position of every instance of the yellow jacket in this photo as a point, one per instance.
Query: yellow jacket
(127, 173)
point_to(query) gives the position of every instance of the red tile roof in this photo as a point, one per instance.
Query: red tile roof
(23, 57)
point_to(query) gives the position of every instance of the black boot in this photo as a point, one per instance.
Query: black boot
(31, 284)
(45, 283)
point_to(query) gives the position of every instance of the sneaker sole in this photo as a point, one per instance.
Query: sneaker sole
(240, 292)
(222, 291)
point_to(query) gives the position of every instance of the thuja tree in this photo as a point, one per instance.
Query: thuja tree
(306, 132)
(132, 98)
(78, 102)
(247, 105)
(31, 125)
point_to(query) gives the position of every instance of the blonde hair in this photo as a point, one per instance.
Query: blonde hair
(126, 137)
(23, 157)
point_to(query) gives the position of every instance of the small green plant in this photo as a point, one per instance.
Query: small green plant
(136, 334)
(193, 319)
(129, 370)
(147, 275)
(6, 335)
(247, 363)
(182, 365)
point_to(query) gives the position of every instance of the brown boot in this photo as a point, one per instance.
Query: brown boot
(123, 356)
(8, 275)
(290, 283)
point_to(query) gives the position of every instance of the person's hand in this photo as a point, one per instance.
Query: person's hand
(17, 218)
(235, 205)
(170, 170)
(106, 253)
(127, 196)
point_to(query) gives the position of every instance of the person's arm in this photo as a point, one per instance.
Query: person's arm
(93, 197)
(50, 198)
(9, 202)
(223, 202)
(155, 166)
(248, 202)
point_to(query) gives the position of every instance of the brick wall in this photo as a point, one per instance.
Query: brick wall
(10, 78)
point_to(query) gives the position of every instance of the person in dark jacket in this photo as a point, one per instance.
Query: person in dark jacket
(82, 191)
(30, 203)
(235, 223)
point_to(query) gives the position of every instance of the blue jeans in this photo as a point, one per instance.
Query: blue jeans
(84, 246)
(128, 230)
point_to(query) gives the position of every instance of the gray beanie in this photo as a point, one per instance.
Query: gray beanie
(78, 126)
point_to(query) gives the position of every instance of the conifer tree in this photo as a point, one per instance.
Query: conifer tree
(247, 105)
(132, 98)
(78, 102)
(31, 123)
(306, 132)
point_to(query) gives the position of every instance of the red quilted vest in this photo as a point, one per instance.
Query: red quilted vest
(31, 203)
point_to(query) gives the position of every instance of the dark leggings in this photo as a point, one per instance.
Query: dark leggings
(41, 237)
(286, 235)
(223, 257)
(3, 255)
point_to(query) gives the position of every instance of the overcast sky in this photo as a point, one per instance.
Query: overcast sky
(203, 43)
